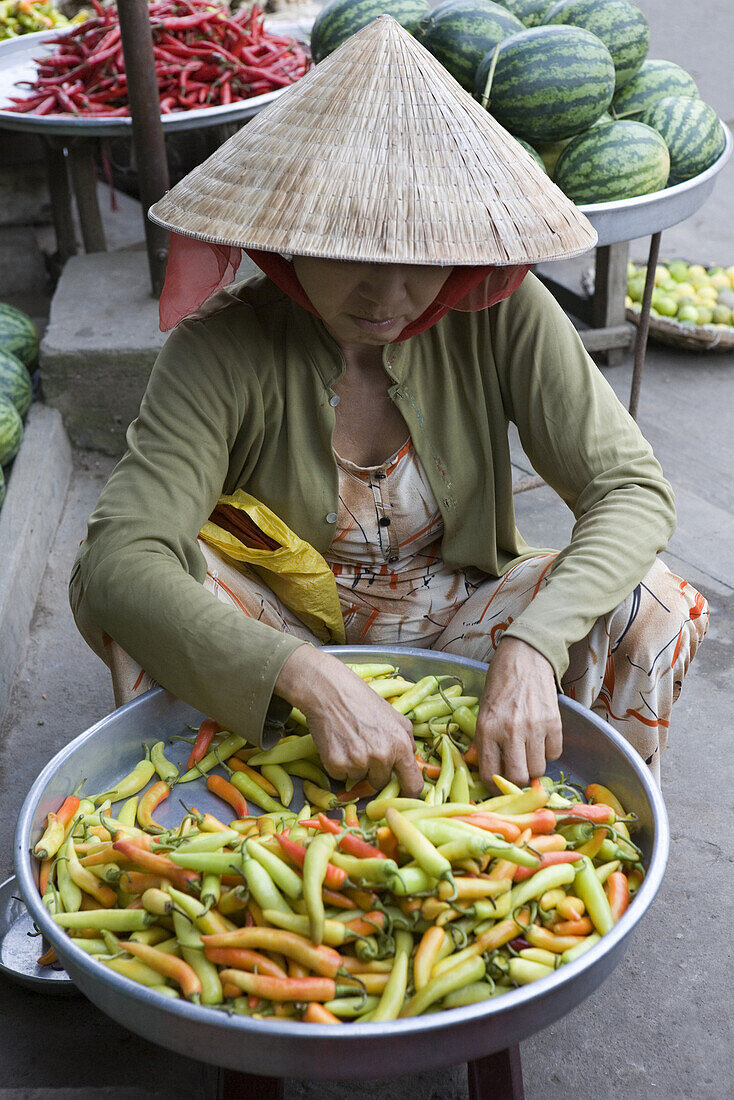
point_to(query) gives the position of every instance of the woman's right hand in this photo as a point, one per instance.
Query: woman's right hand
(358, 734)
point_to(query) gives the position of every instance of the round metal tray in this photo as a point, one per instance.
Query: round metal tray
(592, 750)
(639, 217)
(17, 62)
(20, 946)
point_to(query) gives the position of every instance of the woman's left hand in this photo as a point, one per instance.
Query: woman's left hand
(519, 724)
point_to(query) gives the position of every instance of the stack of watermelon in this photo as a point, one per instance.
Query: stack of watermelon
(569, 78)
(18, 355)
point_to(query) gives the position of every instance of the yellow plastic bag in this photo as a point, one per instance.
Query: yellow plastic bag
(297, 573)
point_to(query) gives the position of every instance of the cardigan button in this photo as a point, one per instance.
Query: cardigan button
(331, 517)
(334, 401)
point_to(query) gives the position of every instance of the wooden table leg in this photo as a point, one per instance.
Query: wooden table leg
(84, 178)
(610, 287)
(497, 1076)
(248, 1086)
(60, 195)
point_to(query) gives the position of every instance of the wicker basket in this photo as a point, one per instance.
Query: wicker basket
(680, 334)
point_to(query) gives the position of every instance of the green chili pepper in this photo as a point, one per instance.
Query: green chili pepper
(315, 864)
(420, 691)
(524, 971)
(114, 920)
(365, 872)
(305, 769)
(547, 879)
(590, 890)
(419, 846)
(298, 748)
(192, 950)
(132, 783)
(470, 970)
(167, 771)
(263, 889)
(247, 786)
(412, 880)
(580, 948)
(393, 995)
(284, 877)
(281, 780)
(349, 1008)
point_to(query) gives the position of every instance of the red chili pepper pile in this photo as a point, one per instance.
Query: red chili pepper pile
(203, 58)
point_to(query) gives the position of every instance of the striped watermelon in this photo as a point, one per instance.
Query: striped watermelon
(621, 26)
(654, 80)
(529, 12)
(15, 381)
(18, 334)
(11, 431)
(549, 82)
(340, 19)
(618, 161)
(691, 130)
(461, 32)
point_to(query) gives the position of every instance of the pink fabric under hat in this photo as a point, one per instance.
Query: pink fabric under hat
(196, 269)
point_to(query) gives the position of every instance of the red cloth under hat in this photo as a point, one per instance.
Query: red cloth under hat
(196, 269)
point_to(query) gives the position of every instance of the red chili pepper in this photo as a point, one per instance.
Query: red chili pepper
(349, 843)
(334, 878)
(202, 741)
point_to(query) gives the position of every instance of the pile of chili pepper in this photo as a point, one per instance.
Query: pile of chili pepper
(331, 914)
(204, 57)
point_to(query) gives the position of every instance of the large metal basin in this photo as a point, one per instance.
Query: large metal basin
(592, 751)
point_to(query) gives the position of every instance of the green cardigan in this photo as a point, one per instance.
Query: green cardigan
(239, 398)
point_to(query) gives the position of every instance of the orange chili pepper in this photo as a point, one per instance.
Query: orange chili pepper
(317, 1014)
(148, 802)
(617, 889)
(221, 787)
(243, 958)
(580, 927)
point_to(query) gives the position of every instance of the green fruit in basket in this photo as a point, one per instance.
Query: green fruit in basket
(668, 285)
(687, 301)
(721, 315)
(715, 270)
(636, 287)
(696, 270)
(661, 274)
(720, 280)
(667, 306)
(708, 292)
(678, 270)
(705, 315)
(726, 298)
(689, 314)
(631, 270)
(685, 290)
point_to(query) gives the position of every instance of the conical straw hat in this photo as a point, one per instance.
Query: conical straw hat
(378, 155)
